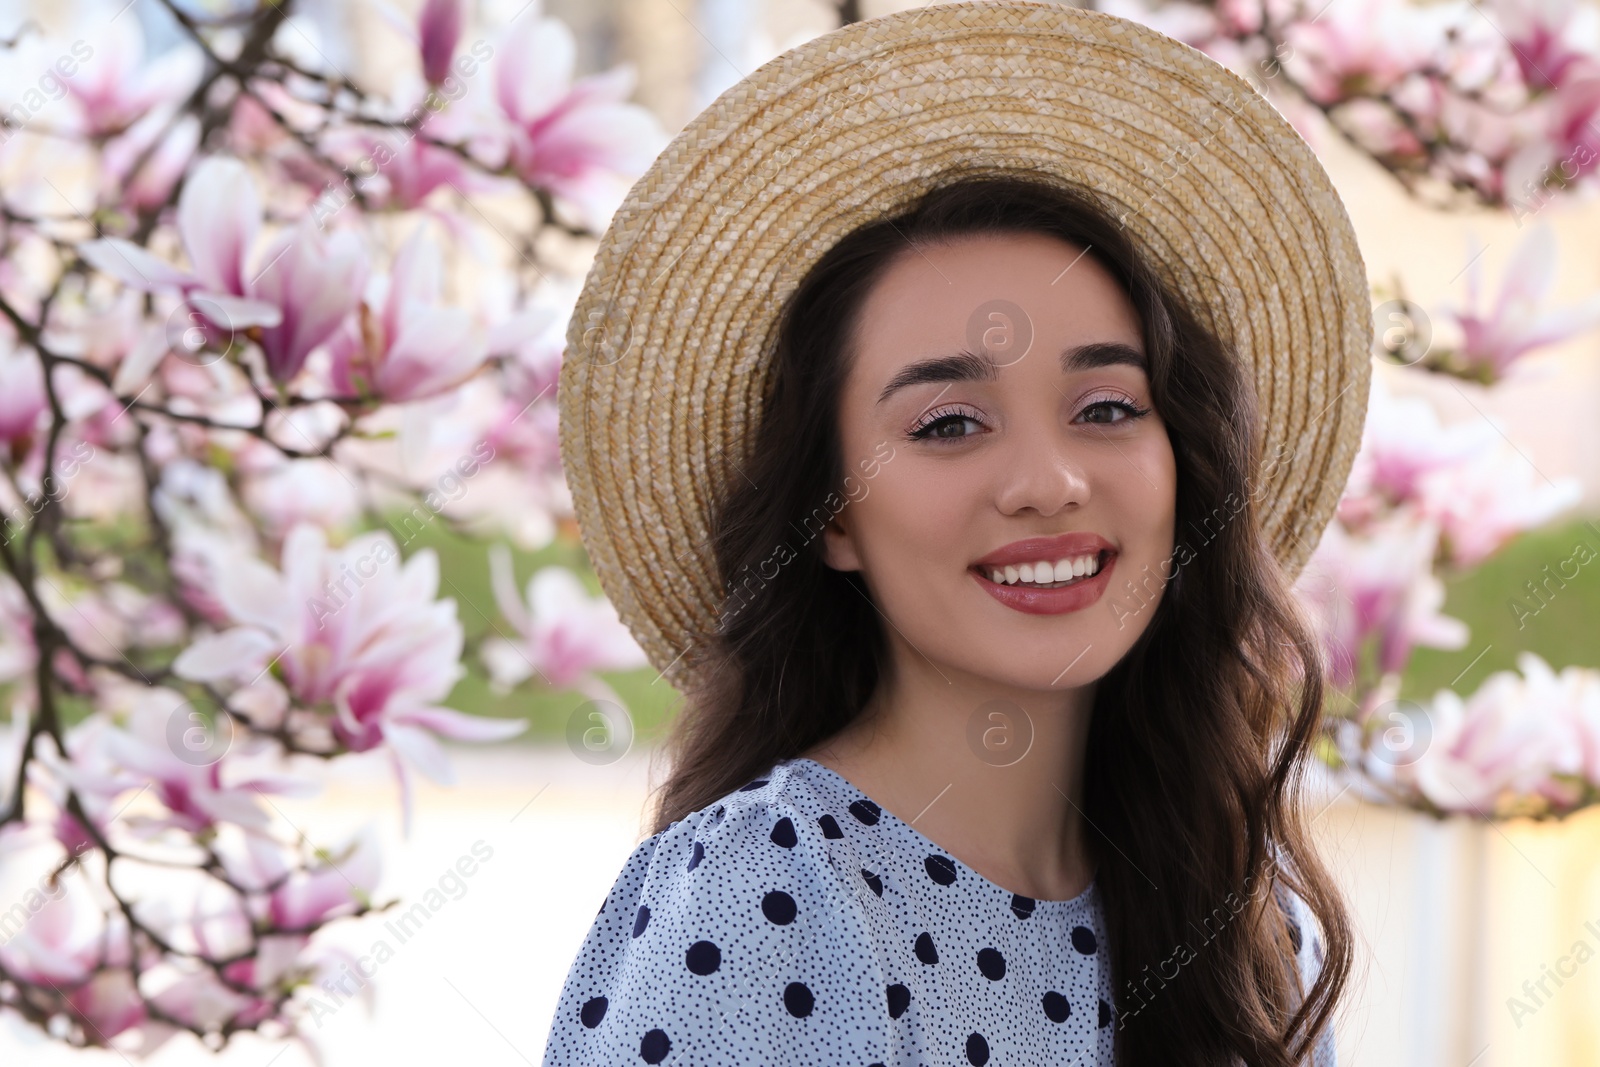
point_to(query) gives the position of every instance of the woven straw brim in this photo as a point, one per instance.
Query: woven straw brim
(668, 350)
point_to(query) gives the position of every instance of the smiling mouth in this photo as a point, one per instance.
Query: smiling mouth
(989, 572)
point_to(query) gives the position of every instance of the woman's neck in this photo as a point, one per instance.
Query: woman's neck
(991, 775)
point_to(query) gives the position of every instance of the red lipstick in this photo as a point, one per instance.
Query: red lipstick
(1039, 600)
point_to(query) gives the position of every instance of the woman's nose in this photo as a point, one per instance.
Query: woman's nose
(1042, 473)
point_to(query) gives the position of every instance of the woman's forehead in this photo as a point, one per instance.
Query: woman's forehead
(1003, 296)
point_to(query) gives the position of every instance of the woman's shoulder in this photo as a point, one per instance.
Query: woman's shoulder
(763, 835)
(727, 933)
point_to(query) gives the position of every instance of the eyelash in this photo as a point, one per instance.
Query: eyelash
(924, 430)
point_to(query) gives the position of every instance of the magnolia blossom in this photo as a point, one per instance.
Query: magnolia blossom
(407, 345)
(1377, 584)
(167, 746)
(1403, 441)
(1546, 38)
(1362, 46)
(114, 617)
(1484, 504)
(209, 529)
(564, 634)
(302, 490)
(532, 342)
(219, 214)
(148, 187)
(571, 138)
(356, 635)
(316, 282)
(72, 947)
(438, 31)
(293, 899)
(305, 287)
(1464, 477)
(1528, 736)
(434, 33)
(411, 170)
(276, 895)
(116, 84)
(1494, 339)
(63, 942)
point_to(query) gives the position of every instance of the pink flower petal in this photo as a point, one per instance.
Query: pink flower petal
(460, 726)
(219, 212)
(132, 265)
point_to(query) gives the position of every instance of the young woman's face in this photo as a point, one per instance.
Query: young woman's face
(1060, 441)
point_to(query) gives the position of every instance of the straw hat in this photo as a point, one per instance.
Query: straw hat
(667, 356)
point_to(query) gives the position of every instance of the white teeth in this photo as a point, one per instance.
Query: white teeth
(1044, 572)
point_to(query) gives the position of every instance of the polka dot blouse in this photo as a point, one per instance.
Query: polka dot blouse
(797, 922)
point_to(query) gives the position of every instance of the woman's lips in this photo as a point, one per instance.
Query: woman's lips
(1033, 600)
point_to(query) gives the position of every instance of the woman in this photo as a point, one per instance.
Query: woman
(990, 744)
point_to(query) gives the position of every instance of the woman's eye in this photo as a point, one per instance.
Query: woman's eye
(1130, 411)
(946, 427)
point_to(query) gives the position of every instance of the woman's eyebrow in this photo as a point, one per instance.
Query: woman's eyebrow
(968, 366)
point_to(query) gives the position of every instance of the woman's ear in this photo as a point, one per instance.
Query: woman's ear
(838, 547)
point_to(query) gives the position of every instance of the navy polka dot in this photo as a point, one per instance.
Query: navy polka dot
(941, 869)
(654, 1046)
(865, 811)
(779, 907)
(703, 957)
(798, 999)
(795, 920)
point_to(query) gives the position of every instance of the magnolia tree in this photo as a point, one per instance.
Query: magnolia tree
(262, 325)
(1465, 103)
(244, 362)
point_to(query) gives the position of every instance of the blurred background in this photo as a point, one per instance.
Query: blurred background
(283, 295)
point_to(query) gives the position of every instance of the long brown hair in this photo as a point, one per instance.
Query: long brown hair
(1199, 736)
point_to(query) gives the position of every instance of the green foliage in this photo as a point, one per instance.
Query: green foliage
(1561, 630)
